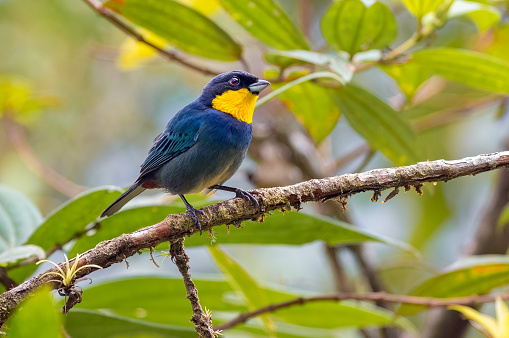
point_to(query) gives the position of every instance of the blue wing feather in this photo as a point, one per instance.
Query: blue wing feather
(180, 135)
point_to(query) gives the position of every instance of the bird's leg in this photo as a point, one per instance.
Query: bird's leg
(191, 211)
(238, 193)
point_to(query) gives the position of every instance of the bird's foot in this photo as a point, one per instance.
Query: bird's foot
(247, 196)
(193, 213)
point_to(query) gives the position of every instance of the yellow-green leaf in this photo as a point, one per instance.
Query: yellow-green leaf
(476, 275)
(314, 106)
(268, 22)
(241, 281)
(486, 321)
(419, 8)
(37, 316)
(472, 68)
(351, 26)
(380, 125)
(182, 26)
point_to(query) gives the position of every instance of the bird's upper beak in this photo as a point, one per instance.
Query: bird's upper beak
(258, 86)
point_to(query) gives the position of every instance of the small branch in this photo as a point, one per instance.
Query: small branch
(202, 323)
(428, 302)
(237, 210)
(109, 15)
(26, 153)
(6, 280)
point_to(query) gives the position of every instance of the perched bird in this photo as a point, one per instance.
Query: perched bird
(203, 144)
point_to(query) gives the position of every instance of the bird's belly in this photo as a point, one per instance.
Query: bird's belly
(198, 169)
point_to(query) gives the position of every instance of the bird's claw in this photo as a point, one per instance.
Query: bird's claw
(193, 213)
(247, 196)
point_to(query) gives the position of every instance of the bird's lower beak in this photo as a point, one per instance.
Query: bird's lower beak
(258, 86)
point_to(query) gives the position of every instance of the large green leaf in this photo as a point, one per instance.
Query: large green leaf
(292, 228)
(254, 297)
(419, 8)
(82, 323)
(162, 300)
(66, 222)
(21, 252)
(314, 106)
(350, 26)
(19, 217)
(268, 22)
(73, 217)
(380, 125)
(472, 68)
(181, 26)
(37, 316)
(476, 275)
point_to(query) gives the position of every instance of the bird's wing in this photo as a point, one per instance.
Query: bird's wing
(176, 139)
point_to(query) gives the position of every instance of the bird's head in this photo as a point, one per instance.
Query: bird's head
(234, 93)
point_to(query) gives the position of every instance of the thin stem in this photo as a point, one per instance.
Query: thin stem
(428, 302)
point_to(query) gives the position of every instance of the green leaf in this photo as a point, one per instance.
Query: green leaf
(161, 300)
(380, 125)
(241, 281)
(314, 106)
(419, 8)
(484, 16)
(67, 221)
(268, 22)
(341, 314)
(476, 275)
(181, 26)
(19, 217)
(157, 299)
(350, 26)
(15, 254)
(72, 217)
(123, 222)
(472, 68)
(82, 323)
(37, 316)
(296, 228)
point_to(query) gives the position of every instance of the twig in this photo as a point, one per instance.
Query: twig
(202, 323)
(6, 280)
(237, 210)
(51, 177)
(109, 15)
(429, 302)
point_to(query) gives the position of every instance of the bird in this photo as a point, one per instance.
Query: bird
(203, 145)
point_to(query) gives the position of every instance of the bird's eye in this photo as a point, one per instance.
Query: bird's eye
(234, 81)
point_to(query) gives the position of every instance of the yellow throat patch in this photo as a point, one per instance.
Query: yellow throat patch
(238, 103)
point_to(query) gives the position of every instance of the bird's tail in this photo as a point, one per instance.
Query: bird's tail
(128, 195)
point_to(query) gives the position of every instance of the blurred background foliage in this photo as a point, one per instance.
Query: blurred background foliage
(359, 85)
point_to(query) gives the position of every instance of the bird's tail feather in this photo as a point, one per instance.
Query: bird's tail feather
(129, 194)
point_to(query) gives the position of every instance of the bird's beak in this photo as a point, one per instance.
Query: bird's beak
(258, 86)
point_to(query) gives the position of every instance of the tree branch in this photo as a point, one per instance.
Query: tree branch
(108, 14)
(201, 321)
(429, 302)
(237, 210)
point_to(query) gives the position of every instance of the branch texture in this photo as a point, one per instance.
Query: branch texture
(202, 323)
(237, 210)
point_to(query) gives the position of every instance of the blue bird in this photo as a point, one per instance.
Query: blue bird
(203, 145)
